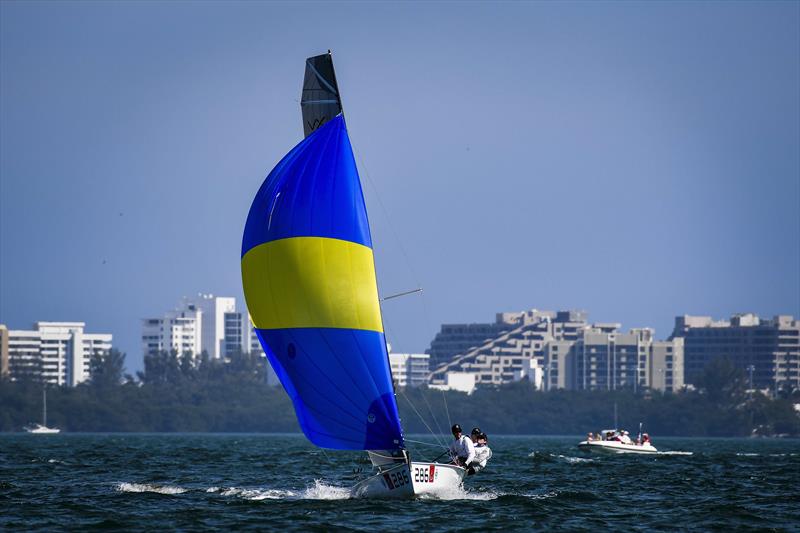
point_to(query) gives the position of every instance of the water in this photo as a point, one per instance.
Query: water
(282, 482)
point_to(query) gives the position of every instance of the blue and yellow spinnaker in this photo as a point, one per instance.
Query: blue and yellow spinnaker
(309, 281)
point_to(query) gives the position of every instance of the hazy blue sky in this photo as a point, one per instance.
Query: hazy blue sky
(636, 160)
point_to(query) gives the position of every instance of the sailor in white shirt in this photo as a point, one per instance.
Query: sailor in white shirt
(462, 450)
(625, 438)
(482, 454)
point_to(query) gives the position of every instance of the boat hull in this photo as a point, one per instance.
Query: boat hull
(436, 478)
(408, 481)
(42, 430)
(614, 447)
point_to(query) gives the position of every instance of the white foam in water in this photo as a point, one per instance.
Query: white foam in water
(742, 454)
(323, 491)
(675, 453)
(145, 487)
(551, 494)
(573, 460)
(320, 491)
(257, 494)
(459, 493)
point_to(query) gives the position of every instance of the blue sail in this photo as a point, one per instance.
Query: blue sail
(309, 280)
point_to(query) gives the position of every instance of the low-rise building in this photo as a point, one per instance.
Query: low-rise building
(456, 381)
(57, 353)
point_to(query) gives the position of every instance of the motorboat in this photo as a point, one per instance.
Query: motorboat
(609, 442)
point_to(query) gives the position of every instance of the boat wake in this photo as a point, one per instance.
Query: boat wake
(320, 491)
(553, 457)
(146, 487)
(323, 491)
(675, 453)
(459, 493)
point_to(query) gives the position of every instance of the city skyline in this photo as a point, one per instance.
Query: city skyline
(550, 156)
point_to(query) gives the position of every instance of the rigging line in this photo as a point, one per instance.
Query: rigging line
(325, 454)
(399, 294)
(430, 410)
(403, 394)
(450, 422)
(424, 443)
(426, 315)
(388, 219)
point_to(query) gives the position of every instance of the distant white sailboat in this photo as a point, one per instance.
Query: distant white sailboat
(42, 428)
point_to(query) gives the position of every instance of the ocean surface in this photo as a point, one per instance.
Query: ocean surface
(223, 481)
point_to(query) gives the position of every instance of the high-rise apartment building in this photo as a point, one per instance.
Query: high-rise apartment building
(454, 339)
(767, 348)
(58, 353)
(203, 323)
(236, 334)
(214, 311)
(409, 369)
(179, 330)
(611, 360)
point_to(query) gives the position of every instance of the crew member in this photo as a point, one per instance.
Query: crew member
(625, 438)
(462, 449)
(482, 455)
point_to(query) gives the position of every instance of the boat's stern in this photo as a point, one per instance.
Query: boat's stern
(436, 478)
(407, 481)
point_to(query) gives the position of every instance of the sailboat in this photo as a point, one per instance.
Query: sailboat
(42, 428)
(309, 280)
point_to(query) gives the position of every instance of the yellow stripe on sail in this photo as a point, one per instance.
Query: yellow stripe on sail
(311, 282)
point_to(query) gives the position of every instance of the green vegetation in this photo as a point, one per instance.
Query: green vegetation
(177, 393)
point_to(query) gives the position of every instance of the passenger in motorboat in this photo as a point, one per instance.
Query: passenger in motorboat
(462, 449)
(625, 438)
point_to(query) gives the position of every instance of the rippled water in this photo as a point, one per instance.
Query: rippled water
(279, 481)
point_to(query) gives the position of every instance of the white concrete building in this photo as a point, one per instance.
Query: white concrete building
(409, 369)
(59, 353)
(179, 330)
(457, 381)
(214, 310)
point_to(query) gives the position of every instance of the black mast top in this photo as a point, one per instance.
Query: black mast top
(320, 100)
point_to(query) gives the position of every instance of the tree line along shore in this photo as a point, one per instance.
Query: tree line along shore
(185, 394)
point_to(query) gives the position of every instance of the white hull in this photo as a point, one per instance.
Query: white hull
(404, 481)
(612, 446)
(42, 430)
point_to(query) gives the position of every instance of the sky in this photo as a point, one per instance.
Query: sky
(638, 161)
